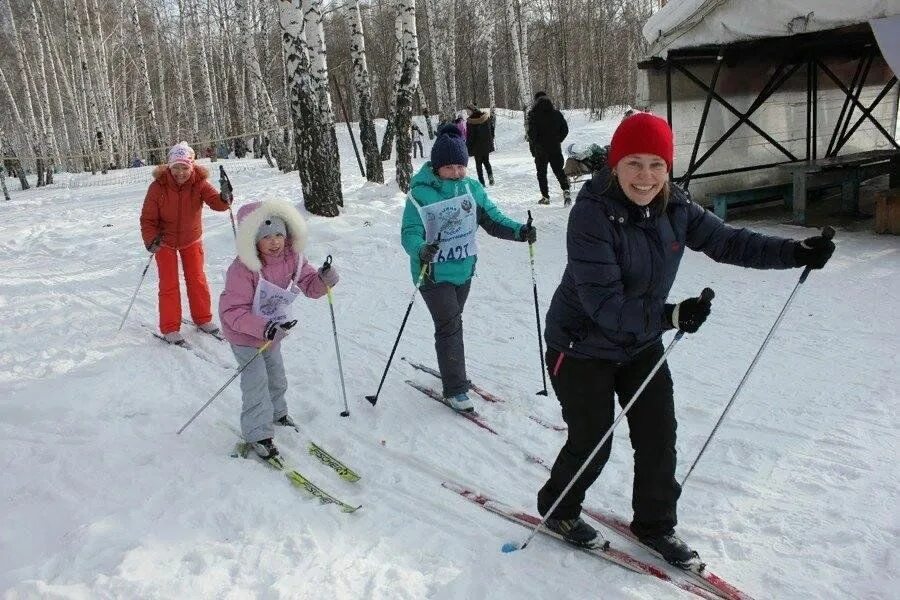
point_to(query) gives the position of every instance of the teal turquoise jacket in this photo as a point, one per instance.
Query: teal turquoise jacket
(427, 188)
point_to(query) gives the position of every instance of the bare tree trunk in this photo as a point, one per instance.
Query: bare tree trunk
(423, 103)
(315, 37)
(2, 168)
(521, 80)
(34, 137)
(165, 129)
(154, 139)
(363, 87)
(409, 82)
(435, 35)
(208, 111)
(94, 125)
(388, 139)
(319, 195)
(259, 90)
(103, 86)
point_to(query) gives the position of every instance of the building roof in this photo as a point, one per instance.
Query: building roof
(684, 24)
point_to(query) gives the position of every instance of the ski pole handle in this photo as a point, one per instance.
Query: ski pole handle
(225, 188)
(707, 294)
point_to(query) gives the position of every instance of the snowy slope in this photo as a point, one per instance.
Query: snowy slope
(795, 499)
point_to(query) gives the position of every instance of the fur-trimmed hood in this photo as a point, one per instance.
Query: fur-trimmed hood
(480, 116)
(251, 216)
(160, 171)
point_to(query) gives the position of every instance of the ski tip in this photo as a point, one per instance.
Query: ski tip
(509, 547)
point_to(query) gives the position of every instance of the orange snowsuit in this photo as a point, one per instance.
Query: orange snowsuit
(174, 211)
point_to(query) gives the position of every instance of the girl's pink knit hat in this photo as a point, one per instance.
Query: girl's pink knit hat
(181, 153)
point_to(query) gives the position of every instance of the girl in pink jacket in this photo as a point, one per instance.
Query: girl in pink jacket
(268, 273)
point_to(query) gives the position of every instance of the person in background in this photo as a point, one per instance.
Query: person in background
(547, 128)
(480, 141)
(417, 141)
(626, 236)
(171, 226)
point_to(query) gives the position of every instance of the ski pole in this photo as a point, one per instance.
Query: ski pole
(707, 294)
(374, 398)
(537, 313)
(143, 274)
(827, 233)
(225, 385)
(225, 190)
(337, 348)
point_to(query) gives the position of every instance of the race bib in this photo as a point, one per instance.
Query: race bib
(456, 220)
(272, 302)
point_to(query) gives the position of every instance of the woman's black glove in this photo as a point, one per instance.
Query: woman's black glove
(688, 315)
(813, 252)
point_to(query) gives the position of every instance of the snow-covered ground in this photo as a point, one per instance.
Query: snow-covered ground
(796, 498)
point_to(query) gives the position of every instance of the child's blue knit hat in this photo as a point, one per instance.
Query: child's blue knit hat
(449, 148)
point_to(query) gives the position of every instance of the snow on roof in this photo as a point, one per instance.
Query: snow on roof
(692, 23)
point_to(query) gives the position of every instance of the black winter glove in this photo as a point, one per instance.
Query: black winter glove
(813, 252)
(688, 315)
(528, 233)
(272, 328)
(225, 193)
(153, 247)
(428, 252)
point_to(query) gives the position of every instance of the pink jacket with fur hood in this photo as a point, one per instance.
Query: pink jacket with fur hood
(239, 325)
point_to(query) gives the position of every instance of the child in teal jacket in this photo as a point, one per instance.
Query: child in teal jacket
(444, 209)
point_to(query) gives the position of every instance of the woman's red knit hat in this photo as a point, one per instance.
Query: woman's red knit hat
(642, 133)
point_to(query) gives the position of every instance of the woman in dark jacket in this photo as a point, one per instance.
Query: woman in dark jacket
(480, 142)
(626, 236)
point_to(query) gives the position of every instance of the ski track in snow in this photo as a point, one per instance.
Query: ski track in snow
(795, 498)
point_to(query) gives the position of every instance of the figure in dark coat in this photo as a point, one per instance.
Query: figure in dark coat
(547, 128)
(480, 142)
(626, 236)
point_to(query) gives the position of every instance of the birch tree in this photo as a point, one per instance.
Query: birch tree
(33, 134)
(2, 167)
(15, 167)
(486, 40)
(423, 106)
(438, 52)
(209, 98)
(92, 110)
(153, 137)
(409, 82)
(103, 85)
(524, 91)
(363, 87)
(388, 139)
(259, 92)
(315, 37)
(319, 194)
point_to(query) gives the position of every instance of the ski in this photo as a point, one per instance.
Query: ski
(345, 472)
(192, 349)
(435, 395)
(484, 394)
(613, 555)
(181, 344)
(697, 570)
(218, 335)
(242, 450)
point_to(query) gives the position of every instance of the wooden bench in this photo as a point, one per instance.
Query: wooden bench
(722, 201)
